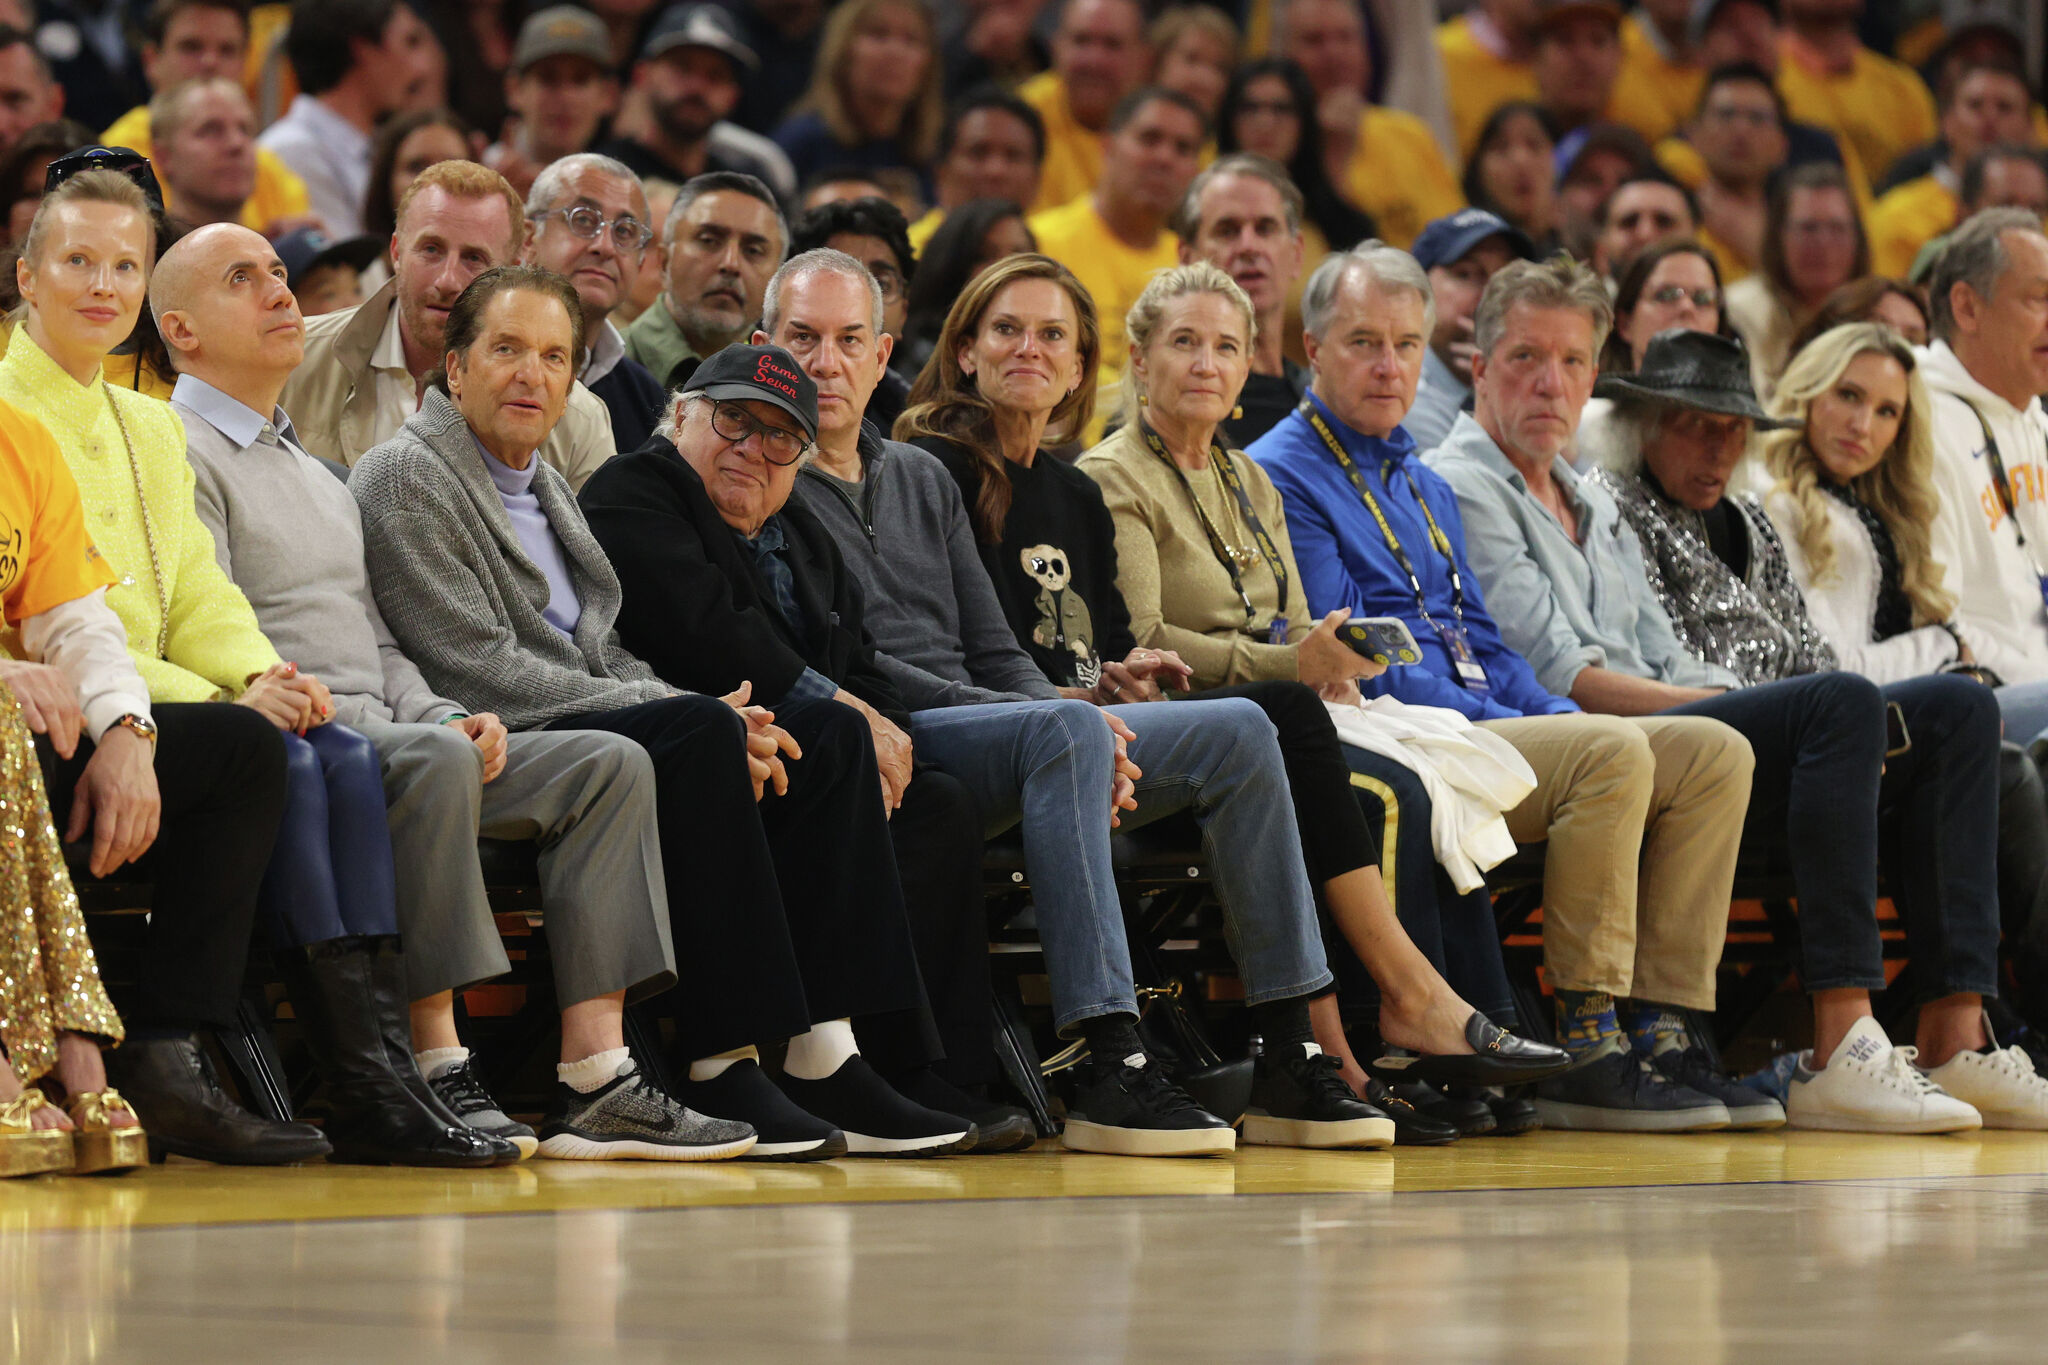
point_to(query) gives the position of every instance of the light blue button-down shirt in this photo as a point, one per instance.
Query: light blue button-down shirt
(1563, 605)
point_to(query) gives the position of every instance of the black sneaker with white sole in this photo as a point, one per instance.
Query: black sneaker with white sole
(630, 1118)
(1299, 1100)
(1612, 1090)
(876, 1120)
(997, 1127)
(782, 1131)
(457, 1086)
(1132, 1107)
(1690, 1067)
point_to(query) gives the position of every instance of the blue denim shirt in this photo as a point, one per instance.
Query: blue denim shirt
(769, 547)
(1345, 562)
(1567, 605)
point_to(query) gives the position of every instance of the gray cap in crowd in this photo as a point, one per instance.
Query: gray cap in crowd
(562, 31)
(699, 25)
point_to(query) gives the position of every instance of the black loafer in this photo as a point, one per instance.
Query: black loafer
(1468, 1113)
(1514, 1113)
(1497, 1058)
(1412, 1127)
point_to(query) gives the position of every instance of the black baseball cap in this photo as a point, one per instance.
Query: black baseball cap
(308, 249)
(766, 374)
(699, 25)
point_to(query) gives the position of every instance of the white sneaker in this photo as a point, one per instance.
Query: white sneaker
(2002, 1084)
(1869, 1086)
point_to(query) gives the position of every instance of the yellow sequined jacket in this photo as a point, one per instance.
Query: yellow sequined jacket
(213, 644)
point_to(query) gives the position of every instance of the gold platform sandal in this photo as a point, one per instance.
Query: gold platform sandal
(24, 1148)
(102, 1143)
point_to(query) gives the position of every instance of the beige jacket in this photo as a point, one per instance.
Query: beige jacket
(332, 396)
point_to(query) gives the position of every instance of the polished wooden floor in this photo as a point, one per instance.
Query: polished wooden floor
(1555, 1247)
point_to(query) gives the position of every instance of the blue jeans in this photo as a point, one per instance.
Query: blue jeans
(1826, 794)
(2024, 707)
(1050, 765)
(330, 874)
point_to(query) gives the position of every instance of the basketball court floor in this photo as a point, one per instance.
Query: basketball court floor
(1553, 1247)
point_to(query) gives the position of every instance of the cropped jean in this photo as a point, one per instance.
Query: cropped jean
(1050, 765)
(1826, 794)
(330, 874)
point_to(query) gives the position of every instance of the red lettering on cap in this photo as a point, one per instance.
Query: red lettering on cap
(774, 376)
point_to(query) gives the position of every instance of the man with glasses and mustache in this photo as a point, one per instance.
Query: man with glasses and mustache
(366, 366)
(723, 238)
(588, 218)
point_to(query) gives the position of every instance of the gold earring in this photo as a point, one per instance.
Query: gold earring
(1237, 413)
(1144, 401)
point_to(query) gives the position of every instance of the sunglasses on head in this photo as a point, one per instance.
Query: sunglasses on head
(121, 160)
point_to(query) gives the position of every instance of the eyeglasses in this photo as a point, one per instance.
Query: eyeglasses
(778, 446)
(1678, 293)
(628, 233)
(121, 160)
(1273, 108)
(891, 281)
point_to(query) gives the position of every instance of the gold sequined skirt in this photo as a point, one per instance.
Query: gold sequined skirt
(49, 978)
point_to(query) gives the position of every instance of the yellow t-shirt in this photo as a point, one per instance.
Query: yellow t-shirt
(1113, 273)
(279, 191)
(47, 557)
(1073, 154)
(1881, 107)
(1477, 82)
(1908, 217)
(921, 231)
(1398, 175)
(1653, 94)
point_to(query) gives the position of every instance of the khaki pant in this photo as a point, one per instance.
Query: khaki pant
(1643, 818)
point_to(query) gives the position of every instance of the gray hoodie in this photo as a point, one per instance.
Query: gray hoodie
(940, 634)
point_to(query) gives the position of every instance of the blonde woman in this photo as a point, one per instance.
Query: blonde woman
(875, 100)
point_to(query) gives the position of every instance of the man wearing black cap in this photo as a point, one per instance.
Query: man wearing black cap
(325, 275)
(690, 70)
(1461, 253)
(560, 89)
(784, 902)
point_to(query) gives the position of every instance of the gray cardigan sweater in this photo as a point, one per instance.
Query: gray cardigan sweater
(462, 597)
(287, 531)
(940, 634)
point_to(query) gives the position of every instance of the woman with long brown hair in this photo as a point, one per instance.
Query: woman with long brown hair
(875, 100)
(1813, 244)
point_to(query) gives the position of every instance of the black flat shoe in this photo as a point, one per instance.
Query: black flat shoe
(1412, 1127)
(1468, 1113)
(1497, 1058)
(1514, 1113)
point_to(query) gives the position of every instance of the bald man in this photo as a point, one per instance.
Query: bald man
(287, 531)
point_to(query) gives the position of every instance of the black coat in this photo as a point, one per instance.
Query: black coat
(698, 611)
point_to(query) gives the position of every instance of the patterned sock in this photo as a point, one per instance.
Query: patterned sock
(1655, 1030)
(592, 1072)
(1585, 1021)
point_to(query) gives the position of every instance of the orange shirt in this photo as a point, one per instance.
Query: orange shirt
(46, 556)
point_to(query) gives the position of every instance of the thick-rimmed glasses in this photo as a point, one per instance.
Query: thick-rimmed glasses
(778, 446)
(628, 234)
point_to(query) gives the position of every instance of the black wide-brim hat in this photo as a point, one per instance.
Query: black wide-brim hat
(1691, 369)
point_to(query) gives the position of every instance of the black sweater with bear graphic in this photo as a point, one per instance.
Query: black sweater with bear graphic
(1055, 570)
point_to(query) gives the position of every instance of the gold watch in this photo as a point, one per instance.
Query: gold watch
(141, 725)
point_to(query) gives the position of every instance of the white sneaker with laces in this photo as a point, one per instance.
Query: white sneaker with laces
(1869, 1086)
(2002, 1084)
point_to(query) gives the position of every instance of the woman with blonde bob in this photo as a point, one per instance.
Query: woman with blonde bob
(875, 101)
(1205, 568)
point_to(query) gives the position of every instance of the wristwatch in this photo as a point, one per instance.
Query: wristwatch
(141, 725)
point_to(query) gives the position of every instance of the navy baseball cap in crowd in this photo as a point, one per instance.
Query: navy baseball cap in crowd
(766, 374)
(1445, 241)
(308, 249)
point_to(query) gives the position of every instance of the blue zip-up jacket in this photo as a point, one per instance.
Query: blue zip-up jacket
(1345, 562)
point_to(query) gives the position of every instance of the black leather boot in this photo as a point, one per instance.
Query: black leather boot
(387, 979)
(377, 1120)
(170, 1084)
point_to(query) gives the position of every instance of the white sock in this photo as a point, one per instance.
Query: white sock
(711, 1068)
(438, 1057)
(815, 1055)
(592, 1072)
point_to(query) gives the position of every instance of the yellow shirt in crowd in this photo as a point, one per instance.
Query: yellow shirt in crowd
(279, 191)
(1476, 82)
(1653, 94)
(1685, 165)
(1908, 217)
(1399, 176)
(1073, 154)
(47, 557)
(1881, 107)
(1114, 273)
(921, 231)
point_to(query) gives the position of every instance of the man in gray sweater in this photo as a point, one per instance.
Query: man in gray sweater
(287, 531)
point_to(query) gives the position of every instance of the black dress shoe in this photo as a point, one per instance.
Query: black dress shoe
(170, 1084)
(1514, 1113)
(1470, 1115)
(1497, 1058)
(1412, 1127)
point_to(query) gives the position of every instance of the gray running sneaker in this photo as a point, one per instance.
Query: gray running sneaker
(457, 1085)
(629, 1117)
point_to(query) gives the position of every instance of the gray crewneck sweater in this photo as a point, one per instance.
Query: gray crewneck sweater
(939, 632)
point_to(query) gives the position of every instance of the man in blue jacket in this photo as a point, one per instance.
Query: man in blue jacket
(1642, 817)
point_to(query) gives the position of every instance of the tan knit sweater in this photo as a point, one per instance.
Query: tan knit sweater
(1179, 596)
